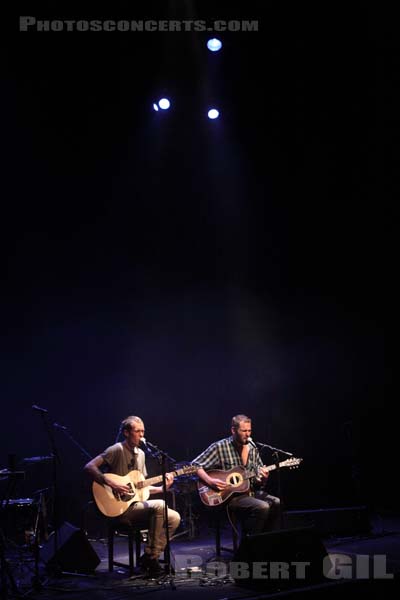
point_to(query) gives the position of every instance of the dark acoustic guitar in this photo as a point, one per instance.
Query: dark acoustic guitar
(237, 480)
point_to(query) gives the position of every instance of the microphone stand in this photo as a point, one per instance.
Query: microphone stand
(56, 461)
(273, 449)
(275, 455)
(40, 522)
(162, 458)
(279, 485)
(66, 432)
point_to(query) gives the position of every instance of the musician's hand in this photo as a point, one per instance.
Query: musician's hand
(169, 479)
(119, 488)
(263, 473)
(217, 483)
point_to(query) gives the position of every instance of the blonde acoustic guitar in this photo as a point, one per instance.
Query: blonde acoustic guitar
(113, 504)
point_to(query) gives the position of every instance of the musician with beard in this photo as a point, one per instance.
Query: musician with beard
(256, 514)
(120, 459)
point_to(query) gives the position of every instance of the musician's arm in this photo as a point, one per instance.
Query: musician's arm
(210, 481)
(158, 489)
(204, 477)
(262, 472)
(93, 469)
(209, 459)
(261, 480)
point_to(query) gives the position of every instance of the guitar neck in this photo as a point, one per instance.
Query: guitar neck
(158, 479)
(251, 474)
(273, 467)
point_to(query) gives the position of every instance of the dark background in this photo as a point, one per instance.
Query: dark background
(186, 270)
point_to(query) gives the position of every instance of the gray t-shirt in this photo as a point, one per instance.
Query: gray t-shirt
(119, 459)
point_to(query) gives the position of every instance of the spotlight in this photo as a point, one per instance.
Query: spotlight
(213, 113)
(214, 45)
(164, 104)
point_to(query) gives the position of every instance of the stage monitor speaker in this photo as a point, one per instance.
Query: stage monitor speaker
(74, 552)
(281, 559)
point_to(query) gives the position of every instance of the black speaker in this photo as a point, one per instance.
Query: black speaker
(74, 553)
(281, 559)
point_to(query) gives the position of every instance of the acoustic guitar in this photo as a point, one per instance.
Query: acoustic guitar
(237, 480)
(113, 504)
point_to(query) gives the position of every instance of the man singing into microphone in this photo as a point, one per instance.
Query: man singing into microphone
(256, 515)
(120, 459)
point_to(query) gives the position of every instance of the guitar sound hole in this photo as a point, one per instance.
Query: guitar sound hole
(235, 479)
(125, 497)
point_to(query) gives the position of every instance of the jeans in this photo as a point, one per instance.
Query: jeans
(256, 515)
(151, 514)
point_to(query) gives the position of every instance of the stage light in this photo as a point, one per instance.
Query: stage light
(214, 45)
(163, 103)
(213, 113)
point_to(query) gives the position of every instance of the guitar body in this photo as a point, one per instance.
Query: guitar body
(112, 504)
(237, 482)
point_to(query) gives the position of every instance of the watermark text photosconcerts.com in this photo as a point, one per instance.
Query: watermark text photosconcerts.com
(30, 23)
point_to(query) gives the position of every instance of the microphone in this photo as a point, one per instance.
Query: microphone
(58, 426)
(39, 409)
(147, 444)
(250, 441)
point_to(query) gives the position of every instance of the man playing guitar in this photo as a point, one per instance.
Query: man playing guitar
(255, 514)
(119, 460)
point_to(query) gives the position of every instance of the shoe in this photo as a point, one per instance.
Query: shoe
(150, 566)
(155, 569)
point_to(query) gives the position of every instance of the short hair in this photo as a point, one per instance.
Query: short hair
(237, 419)
(126, 424)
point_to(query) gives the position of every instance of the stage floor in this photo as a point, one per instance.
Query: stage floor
(216, 582)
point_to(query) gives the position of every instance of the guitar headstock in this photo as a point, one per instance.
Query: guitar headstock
(291, 462)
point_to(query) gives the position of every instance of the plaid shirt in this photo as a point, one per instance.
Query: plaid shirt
(224, 455)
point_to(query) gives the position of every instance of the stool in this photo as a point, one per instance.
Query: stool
(134, 543)
(233, 522)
